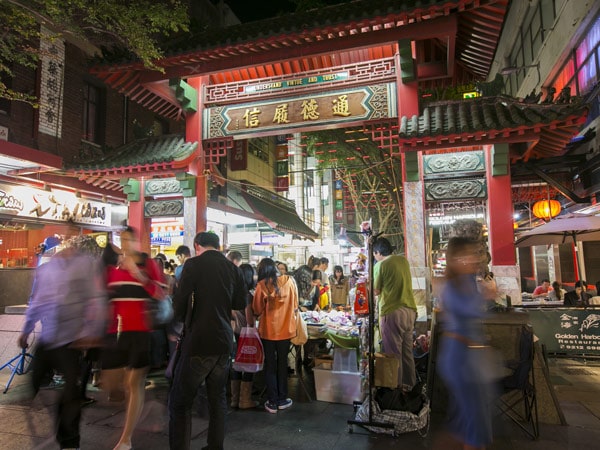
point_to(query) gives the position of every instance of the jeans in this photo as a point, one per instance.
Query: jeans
(190, 373)
(276, 372)
(66, 361)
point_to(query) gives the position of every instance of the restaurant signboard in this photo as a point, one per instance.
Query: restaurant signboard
(314, 110)
(567, 330)
(63, 206)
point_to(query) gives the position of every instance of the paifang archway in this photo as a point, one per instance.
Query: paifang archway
(375, 57)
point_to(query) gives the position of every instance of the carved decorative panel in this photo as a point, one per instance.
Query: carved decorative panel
(460, 189)
(162, 186)
(462, 162)
(163, 208)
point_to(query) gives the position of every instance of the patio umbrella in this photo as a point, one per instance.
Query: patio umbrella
(563, 230)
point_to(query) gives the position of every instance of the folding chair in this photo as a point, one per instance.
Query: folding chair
(518, 401)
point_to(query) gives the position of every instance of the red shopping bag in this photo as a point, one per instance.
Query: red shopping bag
(250, 355)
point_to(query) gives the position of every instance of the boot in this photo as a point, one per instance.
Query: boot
(235, 393)
(246, 401)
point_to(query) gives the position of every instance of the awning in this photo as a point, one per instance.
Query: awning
(277, 212)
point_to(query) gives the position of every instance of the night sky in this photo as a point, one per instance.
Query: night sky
(249, 11)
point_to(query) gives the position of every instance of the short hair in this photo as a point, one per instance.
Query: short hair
(183, 250)
(207, 239)
(324, 260)
(383, 246)
(581, 284)
(234, 255)
(545, 280)
(162, 257)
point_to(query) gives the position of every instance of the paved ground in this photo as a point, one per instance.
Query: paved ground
(28, 424)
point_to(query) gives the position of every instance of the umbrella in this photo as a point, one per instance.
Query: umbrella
(563, 230)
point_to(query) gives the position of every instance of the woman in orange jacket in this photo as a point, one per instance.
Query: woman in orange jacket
(275, 303)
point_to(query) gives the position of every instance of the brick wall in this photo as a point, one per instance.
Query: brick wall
(23, 122)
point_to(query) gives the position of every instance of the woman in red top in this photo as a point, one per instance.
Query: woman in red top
(127, 355)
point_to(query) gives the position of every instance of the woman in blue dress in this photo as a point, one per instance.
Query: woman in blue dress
(460, 362)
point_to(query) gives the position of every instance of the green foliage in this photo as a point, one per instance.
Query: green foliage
(372, 177)
(134, 25)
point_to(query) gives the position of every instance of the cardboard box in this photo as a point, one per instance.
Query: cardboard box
(386, 370)
(325, 360)
(337, 387)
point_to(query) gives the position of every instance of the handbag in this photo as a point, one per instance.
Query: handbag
(161, 312)
(301, 330)
(250, 355)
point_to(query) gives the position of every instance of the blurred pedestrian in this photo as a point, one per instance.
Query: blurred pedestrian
(68, 298)
(460, 362)
(217, 287)
(126, 357)
(275, 303)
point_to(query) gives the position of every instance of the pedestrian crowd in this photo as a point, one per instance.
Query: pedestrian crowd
(100, 308)
(97, 309)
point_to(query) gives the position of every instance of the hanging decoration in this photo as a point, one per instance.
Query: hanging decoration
(546, 209)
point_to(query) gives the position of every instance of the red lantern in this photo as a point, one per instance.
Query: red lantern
(546, 209)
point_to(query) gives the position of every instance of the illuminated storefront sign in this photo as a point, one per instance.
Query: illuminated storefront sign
(447, 219)
(63, 206)
(333, 107)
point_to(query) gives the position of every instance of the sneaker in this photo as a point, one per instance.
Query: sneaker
(285, 404)
(270, 407)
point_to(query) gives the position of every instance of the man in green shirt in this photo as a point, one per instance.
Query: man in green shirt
(397, 308)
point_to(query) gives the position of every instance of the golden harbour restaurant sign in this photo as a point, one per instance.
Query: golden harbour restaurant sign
(63, 206)
(316, 109)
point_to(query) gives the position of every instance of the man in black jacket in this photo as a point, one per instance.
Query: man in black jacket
(216, 287)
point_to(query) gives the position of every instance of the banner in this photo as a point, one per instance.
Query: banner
(306, 112)
(64, 206)
(567, 330)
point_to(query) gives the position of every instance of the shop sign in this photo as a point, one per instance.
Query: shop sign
(281, 152)
(283, 184)
(308, 111)
(447, 219)
(282, 168)
(567, 330)
(158, 240)
(275, 238)
(63, 206)
(239, 155)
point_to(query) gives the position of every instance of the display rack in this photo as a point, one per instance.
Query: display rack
(370, 239)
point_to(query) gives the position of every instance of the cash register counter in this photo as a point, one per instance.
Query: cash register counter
(503, 330)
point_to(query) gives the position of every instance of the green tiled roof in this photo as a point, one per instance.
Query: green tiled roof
(277, 216)
(328, 16)
(484, 114)
(143, 152)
